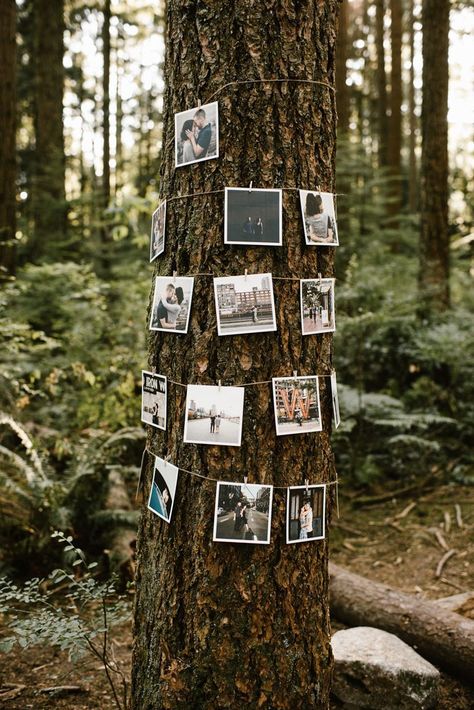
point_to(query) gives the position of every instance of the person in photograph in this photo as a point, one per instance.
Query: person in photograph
(155, 414)
(247, 227)
(238, 521)
(245, 522)
(255, 314)
(169, 307)
(199, 136)
(319, 224)
(188, 152)
(213, 424)
(218, 423)
(259, 228)
(306, 520)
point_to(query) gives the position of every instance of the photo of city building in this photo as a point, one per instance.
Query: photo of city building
(244, 304)
(296, 403)
(317, 306)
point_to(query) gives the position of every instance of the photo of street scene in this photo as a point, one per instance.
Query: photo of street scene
(252, 216)
(335, 401)
(243, 513)
(214, 415)
(244, 304)
(305, 513)
(317, 306)
(171, 304)
(163, 489)
(154, 399)
(157, 237)
(296, 403)
(319, 218)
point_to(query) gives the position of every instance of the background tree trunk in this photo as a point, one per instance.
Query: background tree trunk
(49, 202)
(105, 133)
(434, 237)
(343, 105)
(220, 625)
(412, 120)
(381, 83)
(7, 133)
(395, 124)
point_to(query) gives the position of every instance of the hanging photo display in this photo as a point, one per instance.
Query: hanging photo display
(214, 415)
(163, 489)
(296, 404)
(252, 216)
(157, 237)
(243, 513)
(154, 399)
(305, 513)
(197, 134)
(335, 400)
(172, 303)
(319, 218)
(317, 306)
(244, 304)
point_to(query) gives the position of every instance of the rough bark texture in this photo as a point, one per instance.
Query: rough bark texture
(222, 625)
(382, 120)
(7, 133)
(106, 104)
(412, 125)
(343, 105)
(49, 206)
(395, 123)
(434, 237)
(439, 635)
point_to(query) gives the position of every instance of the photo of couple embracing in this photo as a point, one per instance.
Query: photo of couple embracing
(196, 135)
(171, 303)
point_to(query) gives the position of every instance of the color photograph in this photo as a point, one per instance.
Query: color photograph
(305, 513)
(172, 304)
(243, 513)
(244, 304)
(158, 226)
(214, 415)
(317, 306)
(296, 404)
(319, 219)
(197, 134)
(154, 399)
(163, 489)
(252, 216)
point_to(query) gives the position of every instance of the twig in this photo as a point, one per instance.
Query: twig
(443, 561)
(348, 529)
(64, 689)
(405, 511)
(457, 508)
(13, 692)
(441, 541)
(447, 522)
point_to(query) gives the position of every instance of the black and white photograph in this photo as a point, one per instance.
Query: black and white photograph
(154, 399)
(196, 134)
(163, 488)
(252, 216)
(335, 400)
(319, 218)
(244, 304)
(296, 404)
(317, 306)
(243, 513)
(157, 237)
(306, 513)
(214, 415)
(172, 304)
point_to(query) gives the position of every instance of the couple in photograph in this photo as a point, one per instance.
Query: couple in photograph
(306, 520)
(196, 135)
(253, 227)
(320, 226)
(215, 424)
(169, 307)
(314, 312)
(240, 517)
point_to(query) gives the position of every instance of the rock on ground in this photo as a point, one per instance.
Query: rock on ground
(375, 669)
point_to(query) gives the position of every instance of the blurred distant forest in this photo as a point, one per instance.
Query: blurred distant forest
(80, 128)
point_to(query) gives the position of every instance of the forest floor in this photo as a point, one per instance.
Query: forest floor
(391, 541)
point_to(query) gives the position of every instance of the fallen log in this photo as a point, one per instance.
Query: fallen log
(440, 636)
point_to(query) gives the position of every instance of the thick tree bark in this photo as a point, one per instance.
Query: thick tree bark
(382, 119)
(343, 105)
(7, 133)
(106, 104)
(440, 635)
(395, 123)
(220, 625)
(434, 237)
(49, 202)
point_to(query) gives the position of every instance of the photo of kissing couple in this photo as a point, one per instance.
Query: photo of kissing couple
(171, 303)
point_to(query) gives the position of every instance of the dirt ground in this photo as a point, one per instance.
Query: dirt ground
(396, 541)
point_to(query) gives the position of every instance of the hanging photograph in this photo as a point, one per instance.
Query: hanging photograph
(296, 404)
(243, 513)
(335, 400)
(157, 237)
(197, 134)
(163, 488)
(244, 304)
(252, 217)
(214, 415)
(319, 218)
(154, 399)
(317, 306)
(305, 513)
(172, 304)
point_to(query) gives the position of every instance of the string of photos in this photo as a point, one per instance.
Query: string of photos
(244, 304)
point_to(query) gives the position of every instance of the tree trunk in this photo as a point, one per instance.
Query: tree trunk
(49, 201)
(381, 83)
(412, 126)
(441, 636)
(7, 133)
(106, 131)
(434, 237)
(343, 106)
(220, 625)
(395, 123)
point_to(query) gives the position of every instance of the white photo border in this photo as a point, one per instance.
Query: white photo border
(326, 330)
(335, 400)
(158, 253)
(245, 542)
(272, 329)
(165, 465)
(287, 517)
(171, 279)
(280, 216)
(196, 160)
(214, 443)
(161, 377)
(299, 377)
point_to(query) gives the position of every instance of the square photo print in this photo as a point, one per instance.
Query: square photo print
(319, 219)
(306, 513)
(296, 404)
(154, 399)
(317, 306)
(157, 237)
(172, 304)
(243, 513)
(252, 216)
(214, 415)
(244, 304)
(197, 134)
(163, 489)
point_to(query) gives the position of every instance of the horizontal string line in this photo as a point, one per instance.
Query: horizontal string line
(215, 276)
(245, 384)
(239, 82)
(216, 192)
